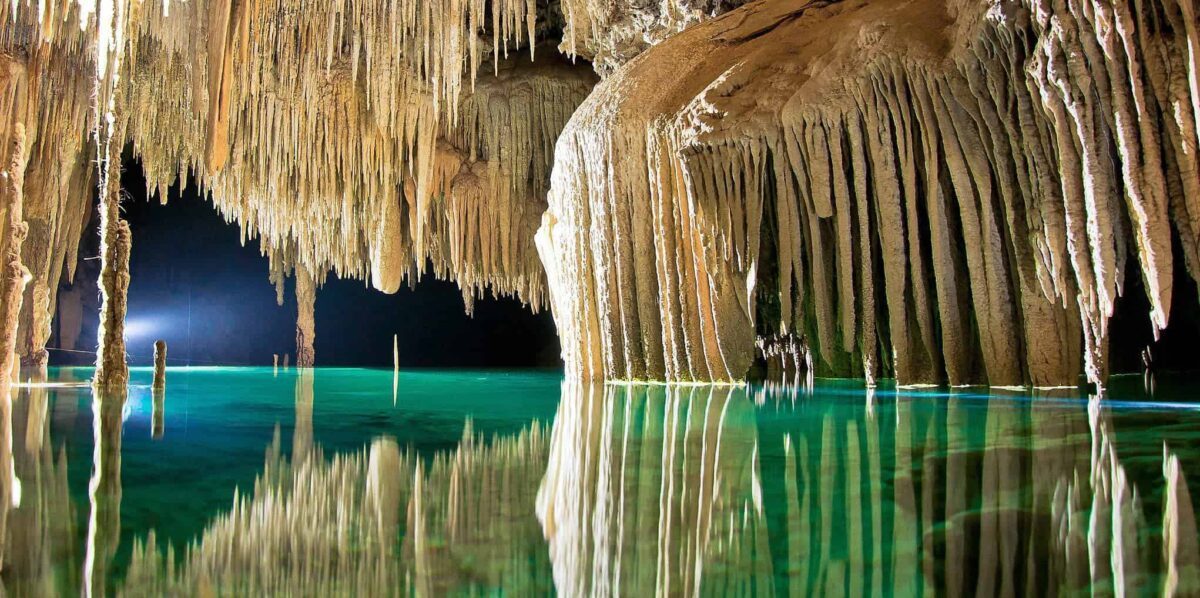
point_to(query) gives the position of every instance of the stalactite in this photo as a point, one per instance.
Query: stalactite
(381, 150)
(332, 525)
(938, 191)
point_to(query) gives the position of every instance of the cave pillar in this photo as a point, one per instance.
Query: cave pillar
(12, 283)
(13, 274)
(115, 241)
(160, 364)
(306, 327)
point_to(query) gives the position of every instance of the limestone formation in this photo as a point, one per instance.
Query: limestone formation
(104, 491)
(112, 370)
(939, 192)
(158, 414)
(13, 274)
(306, 326)
(160, 365)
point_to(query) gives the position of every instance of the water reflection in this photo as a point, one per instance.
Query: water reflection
(40, 532)
(382, 520)
(104, 491)
(637, 490)
(654, 490)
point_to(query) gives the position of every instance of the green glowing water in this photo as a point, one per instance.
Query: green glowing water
(331, 482)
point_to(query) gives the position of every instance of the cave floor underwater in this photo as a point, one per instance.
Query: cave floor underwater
(328, 481)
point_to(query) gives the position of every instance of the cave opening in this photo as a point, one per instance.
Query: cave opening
(194, 284)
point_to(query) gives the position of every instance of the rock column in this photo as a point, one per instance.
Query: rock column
(12, 283)
(306, 327)
(160, 364)
(13, 274)
(115, 241)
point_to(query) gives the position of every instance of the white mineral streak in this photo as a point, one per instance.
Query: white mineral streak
(939, 192)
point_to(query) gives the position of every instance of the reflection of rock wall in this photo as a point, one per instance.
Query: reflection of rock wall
(376, 521)
(654, 490)
(1038, 504)
(41, 531)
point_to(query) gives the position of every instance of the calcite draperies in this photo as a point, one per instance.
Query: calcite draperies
(939, 192)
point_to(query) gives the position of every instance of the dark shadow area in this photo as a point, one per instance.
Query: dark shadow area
(1130, 330)
(194, 285)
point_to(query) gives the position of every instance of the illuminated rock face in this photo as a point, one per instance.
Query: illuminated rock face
(935, 191)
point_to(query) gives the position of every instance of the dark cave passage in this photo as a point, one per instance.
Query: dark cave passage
(196, 286)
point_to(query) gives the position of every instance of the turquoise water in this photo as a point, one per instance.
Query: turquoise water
(247, 481)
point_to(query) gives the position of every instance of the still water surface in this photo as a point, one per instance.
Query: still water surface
(241, 481)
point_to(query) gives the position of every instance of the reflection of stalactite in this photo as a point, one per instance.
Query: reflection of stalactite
(653, 490)
(318, 527)
(302, 435)
(10, 489)
(160, 365)
(158, 415)
(12, 285)
(970, 174)
(104, 490)
(1181, 549)
(42, 528)
(1014, 498)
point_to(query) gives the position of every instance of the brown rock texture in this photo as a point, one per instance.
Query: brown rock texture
(160, 365)
(306, 325)
(939, 192)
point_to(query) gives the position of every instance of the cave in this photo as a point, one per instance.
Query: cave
(599, 297)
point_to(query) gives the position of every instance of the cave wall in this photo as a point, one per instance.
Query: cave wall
(939, 192)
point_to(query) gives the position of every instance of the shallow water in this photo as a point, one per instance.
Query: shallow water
(347, 481)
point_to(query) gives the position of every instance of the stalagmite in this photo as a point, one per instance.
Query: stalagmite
(112, 371)
(160, 365)
(104, 491)
(306, 297)
(13, 274)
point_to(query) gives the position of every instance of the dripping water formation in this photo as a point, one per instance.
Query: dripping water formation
(599, 297)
